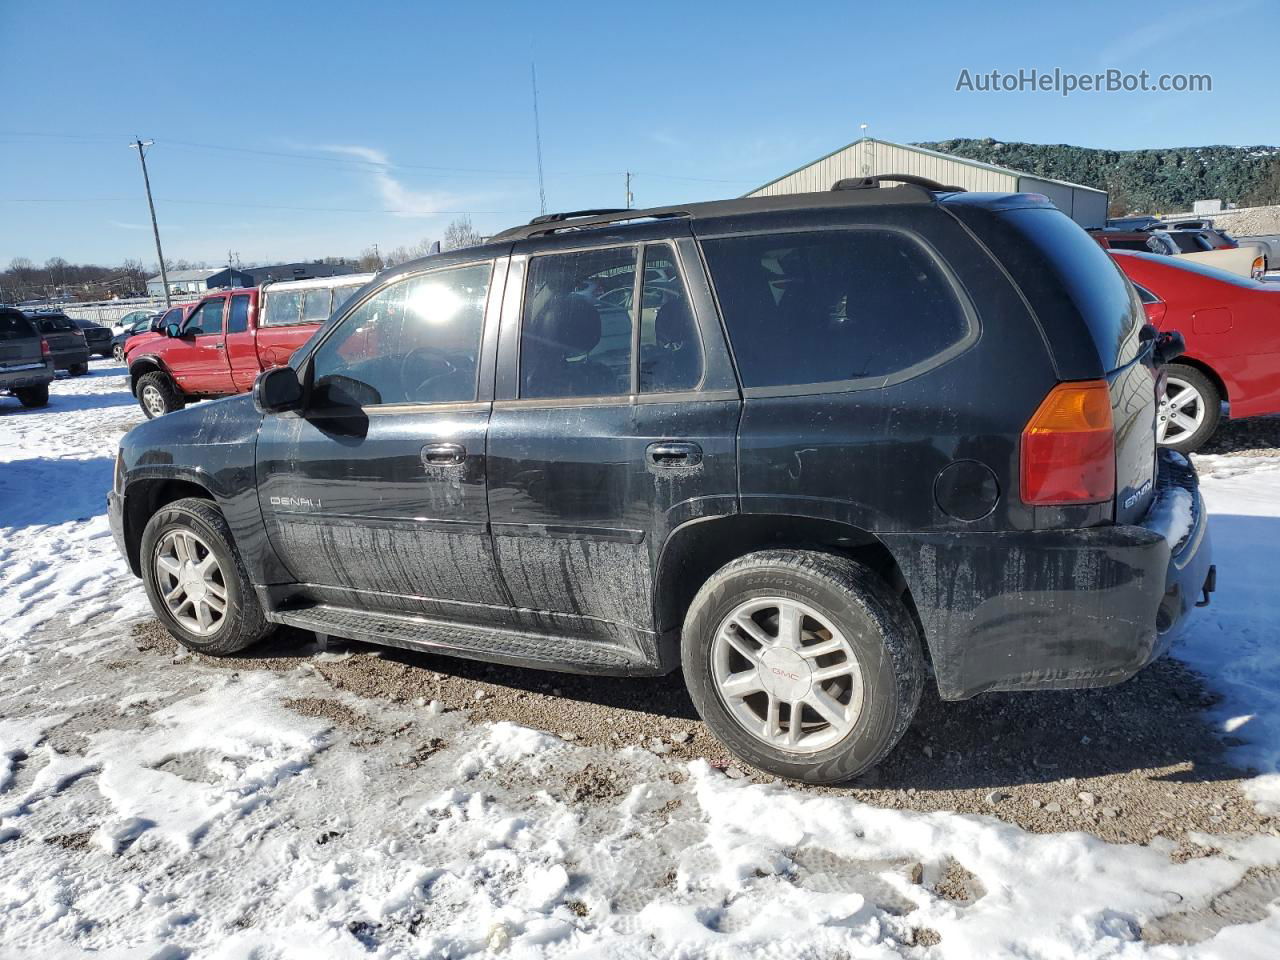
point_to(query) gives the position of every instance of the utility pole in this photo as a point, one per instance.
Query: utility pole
(140, 146)
(630, 197)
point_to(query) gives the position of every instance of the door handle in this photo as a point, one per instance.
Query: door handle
(673, 453)
(443, 454)
(219, 345)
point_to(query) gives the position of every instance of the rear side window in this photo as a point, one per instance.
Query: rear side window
(283, 308)
(315, 305)
(14, 326)
(342, 294)
(238, 320)
(575, 335)
(822, 307)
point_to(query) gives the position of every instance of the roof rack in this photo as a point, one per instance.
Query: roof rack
(872, 183)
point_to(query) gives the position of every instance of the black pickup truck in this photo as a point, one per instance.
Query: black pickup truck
(811, 449)
(26, 366)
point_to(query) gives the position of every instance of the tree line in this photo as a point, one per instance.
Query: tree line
(1161, 180)
(24, 280)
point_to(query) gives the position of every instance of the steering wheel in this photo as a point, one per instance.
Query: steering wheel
(432, 361)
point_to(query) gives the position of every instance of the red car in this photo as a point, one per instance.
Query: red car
(1232, 328)
(219, 347)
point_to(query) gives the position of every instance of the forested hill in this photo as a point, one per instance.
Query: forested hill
(1165, 179)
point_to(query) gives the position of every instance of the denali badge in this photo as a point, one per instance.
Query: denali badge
(1137, 495)
(301, 503)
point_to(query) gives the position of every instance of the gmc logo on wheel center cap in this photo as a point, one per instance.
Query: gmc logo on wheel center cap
(783, 673)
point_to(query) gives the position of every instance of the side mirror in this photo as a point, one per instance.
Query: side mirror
(172, 330)
(277, 390)
(1169, 346)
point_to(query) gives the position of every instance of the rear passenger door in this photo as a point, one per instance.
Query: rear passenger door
(199, 362)
(614, 425)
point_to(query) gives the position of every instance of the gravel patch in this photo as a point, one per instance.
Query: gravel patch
(1127, 763)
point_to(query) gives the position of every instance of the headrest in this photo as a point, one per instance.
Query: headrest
(674, 324)
(571, 324)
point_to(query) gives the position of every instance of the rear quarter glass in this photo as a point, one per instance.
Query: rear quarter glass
(1070, 282)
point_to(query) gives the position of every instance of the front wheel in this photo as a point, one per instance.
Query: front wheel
(1189, 410)
(196, 582)
(118, 353)
(157, 395)
(804, 664)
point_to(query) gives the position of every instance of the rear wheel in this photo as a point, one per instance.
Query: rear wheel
(196, 582)
(33, 396)
(803, 664)
(1189, 410)
(157, 395)
(78, 369)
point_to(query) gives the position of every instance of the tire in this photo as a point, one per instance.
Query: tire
(117, 353)
(78, 369)
(860, 612)
(241, 622)
(33, 396)
(157, 395)
(1206, 404)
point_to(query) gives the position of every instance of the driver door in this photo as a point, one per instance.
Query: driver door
(201, 366)
(375, 494)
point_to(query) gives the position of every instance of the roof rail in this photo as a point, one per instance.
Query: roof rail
(570, 214)
(553, 222)
(871, 183)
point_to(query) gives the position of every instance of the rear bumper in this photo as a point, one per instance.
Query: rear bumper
(65, 359)
(1061, 608)
(34, 375)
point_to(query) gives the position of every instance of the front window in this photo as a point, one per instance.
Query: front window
(207, 319)
(415, 341)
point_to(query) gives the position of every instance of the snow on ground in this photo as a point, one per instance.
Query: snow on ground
(156, 807)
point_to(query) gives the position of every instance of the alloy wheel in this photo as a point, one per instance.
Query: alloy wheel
(153, 400)
(1181, 412)
(787, 675)
(191, 581)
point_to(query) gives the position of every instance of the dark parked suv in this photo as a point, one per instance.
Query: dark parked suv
(26, 368)
(97, 337)
(811, 449)
(67, 344)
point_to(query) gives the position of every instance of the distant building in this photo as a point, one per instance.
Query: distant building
(198, 281)
(299, 271)
(871, 157)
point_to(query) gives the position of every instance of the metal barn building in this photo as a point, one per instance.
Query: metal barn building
(871, 157)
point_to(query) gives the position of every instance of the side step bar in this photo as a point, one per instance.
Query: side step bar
(490, 644)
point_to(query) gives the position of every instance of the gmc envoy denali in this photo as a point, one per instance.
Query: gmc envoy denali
(810, 449)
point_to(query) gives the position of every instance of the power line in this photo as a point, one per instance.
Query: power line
(388, 165)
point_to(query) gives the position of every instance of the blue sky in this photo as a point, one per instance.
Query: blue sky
(296, 130)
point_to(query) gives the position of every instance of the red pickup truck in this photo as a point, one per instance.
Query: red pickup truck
(229, 338)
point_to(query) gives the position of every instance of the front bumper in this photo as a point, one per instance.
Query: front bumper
(1044, 609)
(27, 375)
(115, 519)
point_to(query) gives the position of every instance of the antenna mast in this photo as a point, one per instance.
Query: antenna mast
(537, 139)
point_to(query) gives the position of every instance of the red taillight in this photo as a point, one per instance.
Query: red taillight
(44, 348)
(1069, 447)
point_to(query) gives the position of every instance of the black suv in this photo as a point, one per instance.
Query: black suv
(97, 337)
(67, 343)
(26, 368)
(808, 448)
